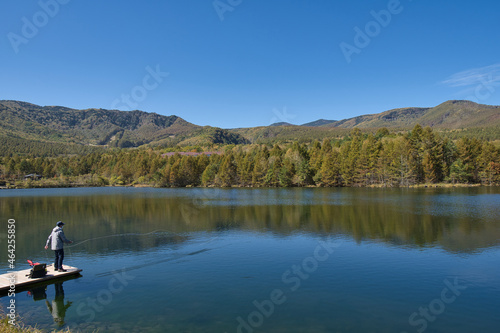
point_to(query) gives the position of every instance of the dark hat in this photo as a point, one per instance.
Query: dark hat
(60, 224)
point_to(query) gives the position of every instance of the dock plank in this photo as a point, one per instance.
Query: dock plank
(22, 279)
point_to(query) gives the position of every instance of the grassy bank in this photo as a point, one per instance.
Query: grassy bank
(446, 185)
(5, 327)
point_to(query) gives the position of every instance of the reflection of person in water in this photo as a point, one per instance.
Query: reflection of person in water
(57, 308)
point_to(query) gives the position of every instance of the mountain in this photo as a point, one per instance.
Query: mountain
(319, 122)
(448, 115)
(454, 118)
(282, 124)
(28, 128)
(100, 127)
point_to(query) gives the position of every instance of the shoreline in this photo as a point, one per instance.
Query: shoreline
(421, 186)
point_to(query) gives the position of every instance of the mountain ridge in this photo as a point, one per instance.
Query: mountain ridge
(101, 127)
(450, 114)
(124, 129)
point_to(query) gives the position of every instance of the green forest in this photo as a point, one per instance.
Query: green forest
(419, 156)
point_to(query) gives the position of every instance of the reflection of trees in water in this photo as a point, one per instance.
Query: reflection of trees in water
(91, 217)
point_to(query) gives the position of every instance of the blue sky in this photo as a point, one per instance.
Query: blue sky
(242, 63)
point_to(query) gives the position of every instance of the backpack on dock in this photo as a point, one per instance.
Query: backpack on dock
(37, 270)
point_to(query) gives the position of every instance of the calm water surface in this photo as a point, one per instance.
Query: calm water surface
(263, 260)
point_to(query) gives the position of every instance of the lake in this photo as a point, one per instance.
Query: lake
(263, 260)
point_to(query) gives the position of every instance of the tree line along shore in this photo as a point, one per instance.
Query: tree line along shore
(413, 158)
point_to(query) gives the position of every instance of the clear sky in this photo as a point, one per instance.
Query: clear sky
(243, 63)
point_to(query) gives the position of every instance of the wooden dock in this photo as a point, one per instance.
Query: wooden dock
(22, 280)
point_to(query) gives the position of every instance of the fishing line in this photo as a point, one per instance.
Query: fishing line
(131, 234)
(103, 237)
(117, 235)
(175, 257)
(130, 268)
(70, 253)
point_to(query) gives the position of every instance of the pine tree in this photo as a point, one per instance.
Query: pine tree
(433, 152)
(208, 176)
(286, 174)
(449, 156)
(330, 169)
(350, 153)
(176, 178)
(189, 171)
(468, 152)
(365, 171)
(459, 173)
(245, 167)
(227, 175)
(260, 168)
(416, 155)
(272, 177)
(486, 163)
(165, 175)
(316, 156)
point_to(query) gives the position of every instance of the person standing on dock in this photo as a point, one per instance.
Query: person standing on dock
(57, 240)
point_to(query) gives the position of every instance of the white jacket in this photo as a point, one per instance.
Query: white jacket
(57, 239)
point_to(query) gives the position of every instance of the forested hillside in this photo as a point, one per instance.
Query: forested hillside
(359, 159)
(99, 127)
